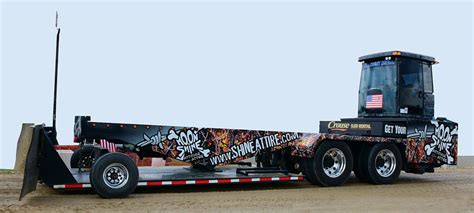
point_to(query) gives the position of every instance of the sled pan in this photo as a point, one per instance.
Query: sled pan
(30, 164)
(43, 162)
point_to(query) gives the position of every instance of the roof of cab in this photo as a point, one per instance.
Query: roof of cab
(397, 53)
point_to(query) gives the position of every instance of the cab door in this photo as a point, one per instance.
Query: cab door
(411, 89)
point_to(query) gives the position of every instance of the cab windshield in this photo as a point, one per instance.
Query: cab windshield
(381, 77)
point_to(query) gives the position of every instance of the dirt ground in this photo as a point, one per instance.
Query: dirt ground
(447, 190)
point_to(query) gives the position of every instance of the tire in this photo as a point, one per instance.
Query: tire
(304, 169)
(114, 175)
(360, 164)
(331, 165)
(83, 157)
(384, 163)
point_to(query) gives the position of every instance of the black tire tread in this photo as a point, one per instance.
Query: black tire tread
(98, 168)
(314, 171)
(373, 176)
(360, 164)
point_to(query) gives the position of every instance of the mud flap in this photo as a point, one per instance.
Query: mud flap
(30, 175)
(44, 163)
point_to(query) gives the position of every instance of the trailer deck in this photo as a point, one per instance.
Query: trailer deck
(184, 175)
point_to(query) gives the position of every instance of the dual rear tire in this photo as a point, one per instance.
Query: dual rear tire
(380, 163)
(334, 161)
(331, 164)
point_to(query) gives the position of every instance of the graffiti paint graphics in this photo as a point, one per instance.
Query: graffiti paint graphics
(188, 143)
(153, 140)
(216, 146)
(253, 146)
(442, 142)
(185, 142)
(435, 142)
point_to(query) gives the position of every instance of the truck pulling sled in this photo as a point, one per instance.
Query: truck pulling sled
(395, 130)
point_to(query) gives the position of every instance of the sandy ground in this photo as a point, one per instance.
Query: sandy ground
(447, 190)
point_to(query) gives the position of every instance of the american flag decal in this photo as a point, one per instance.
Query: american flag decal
(107, 145)
(374, 102)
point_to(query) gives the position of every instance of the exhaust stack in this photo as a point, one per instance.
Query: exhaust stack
(56, 74)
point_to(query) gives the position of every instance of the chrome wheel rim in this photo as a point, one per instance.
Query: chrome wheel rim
(115, 175)
(334, 162)
(385, 163)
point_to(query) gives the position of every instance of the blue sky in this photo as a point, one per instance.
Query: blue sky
(265, 65)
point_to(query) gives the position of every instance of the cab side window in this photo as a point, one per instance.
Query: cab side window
(427, 78)
(411, 86)
(410, 75)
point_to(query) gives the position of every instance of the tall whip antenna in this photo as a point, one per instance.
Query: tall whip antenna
(56, 74)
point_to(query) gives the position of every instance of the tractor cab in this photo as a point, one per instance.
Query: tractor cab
(396, 84)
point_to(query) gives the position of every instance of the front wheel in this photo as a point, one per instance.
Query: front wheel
(331, 165)
(384, 163)
(114, 175)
